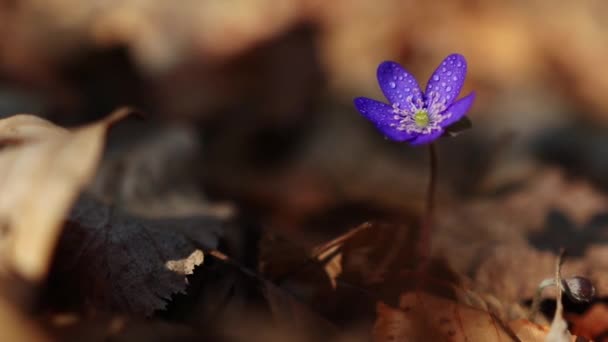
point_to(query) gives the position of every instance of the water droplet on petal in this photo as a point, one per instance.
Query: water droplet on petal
(448, 88)
(459, 64)
(436, 78)
(449, 73)
(455, 78)
(443, 70)
(443, 84)
(400, 78)
(407, 90)
(392, 84)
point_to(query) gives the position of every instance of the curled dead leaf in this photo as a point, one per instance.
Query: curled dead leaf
(40, 179)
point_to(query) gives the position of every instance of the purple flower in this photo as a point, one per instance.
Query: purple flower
(411, 115)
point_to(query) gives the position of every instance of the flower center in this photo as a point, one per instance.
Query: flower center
(421, 118)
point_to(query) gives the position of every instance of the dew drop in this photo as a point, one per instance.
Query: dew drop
(448, 88)
(459, 64)
(443, 70)
(407, 90)
(449, 73)
(392, 84)
(455, 78)
(436, 78)
(443, 84)
(400, 78)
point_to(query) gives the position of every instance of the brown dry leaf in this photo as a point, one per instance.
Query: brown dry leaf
(294, 268)
(592, 323)
(423, 317)
(360, 255)
(121, 262)
(332, 260)
(247, 307)
(489, 238)
(376, 251)
(40, 178)
(528, 331)
(330, 253)
(16, 327)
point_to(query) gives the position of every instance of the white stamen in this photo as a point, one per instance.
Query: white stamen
(405, 118)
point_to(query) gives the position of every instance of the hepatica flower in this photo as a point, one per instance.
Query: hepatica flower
(412, 115)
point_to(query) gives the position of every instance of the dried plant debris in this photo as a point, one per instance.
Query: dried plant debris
(17, 326)
(516, 234)
(121, 262)
(422, 317)
(41, 176)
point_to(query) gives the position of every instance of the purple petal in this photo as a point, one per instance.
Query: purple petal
(458, 109)
(446, 82)
(382, 116)
(397, 84)
(426, 138)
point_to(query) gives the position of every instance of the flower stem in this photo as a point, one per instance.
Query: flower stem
(426, 227)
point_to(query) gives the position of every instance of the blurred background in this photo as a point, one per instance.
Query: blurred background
(249, 102)
(247, 112)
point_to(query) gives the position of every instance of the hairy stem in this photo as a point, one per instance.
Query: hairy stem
(426, 227)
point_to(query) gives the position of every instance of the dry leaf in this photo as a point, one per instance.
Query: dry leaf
(528, 331)
(376, 251)
(423, 317)
(16, 326)
(332, 260)
(295, 269)
(121, 262)
(492, 239)
(40, 178)
(247, 307)
(592, 323)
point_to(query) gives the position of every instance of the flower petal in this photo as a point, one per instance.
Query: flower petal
(382, 116)
(446, 82)
(426, 138)
(397, 85)
(458, 109)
